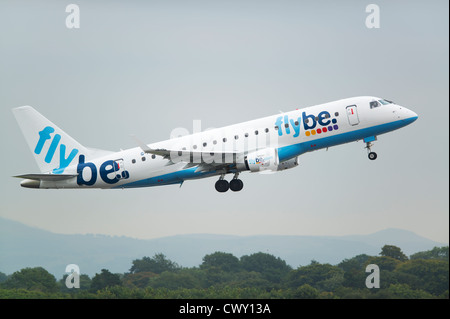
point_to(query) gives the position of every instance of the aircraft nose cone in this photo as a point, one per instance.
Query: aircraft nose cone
(409, 116)
(414, 115)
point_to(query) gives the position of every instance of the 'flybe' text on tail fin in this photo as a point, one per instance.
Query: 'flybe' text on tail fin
(53, 149)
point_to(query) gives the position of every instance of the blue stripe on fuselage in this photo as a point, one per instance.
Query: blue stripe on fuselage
(284, 153)
(168, 179)
(287, 152)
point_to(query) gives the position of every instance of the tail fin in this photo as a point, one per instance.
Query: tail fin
(53, 149)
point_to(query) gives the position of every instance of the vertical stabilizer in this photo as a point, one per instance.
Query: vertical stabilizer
(53, 149)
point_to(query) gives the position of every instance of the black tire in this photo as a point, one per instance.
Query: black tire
(222, 186)
(236, 185)
(372, 156)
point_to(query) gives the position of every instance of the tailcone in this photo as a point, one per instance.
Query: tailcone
(30, 183)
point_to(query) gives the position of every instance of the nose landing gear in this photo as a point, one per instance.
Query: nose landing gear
(372, 155)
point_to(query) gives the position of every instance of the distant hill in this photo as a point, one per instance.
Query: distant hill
(23, 246)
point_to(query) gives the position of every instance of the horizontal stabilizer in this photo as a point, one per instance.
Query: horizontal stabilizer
(47, 177)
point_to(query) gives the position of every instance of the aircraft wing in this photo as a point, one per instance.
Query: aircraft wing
(206, 161)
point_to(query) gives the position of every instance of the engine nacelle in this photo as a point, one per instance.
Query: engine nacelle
(291, 163)
(266, 160)
(262, 160)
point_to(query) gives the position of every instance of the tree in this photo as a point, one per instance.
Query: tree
(139, 279)
(271, 268)
(32, 279)
(429, 275)
(104, 279)
(224, 261)
(306, 292)
(435, 253)
(157, 264)
(3, 277)
(324, 277)
(354, 271)
(175, 280)
(403, 291)
(85, 284)
(393, 252)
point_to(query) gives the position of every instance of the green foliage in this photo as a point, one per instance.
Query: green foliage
(157, 264)
(85, 284)
(354, 271)
(403, 291)
(259, 275)
(270, 267)
(222, 261)
(440, 253)
(175, 280)
(138, 280)
(3, 277)
(305, 292)
(393, 252)
(323, 277)
(430, 275)
(104, 280)
(37, 279)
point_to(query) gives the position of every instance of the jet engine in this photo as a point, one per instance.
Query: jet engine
(262, 160)
(266, 160)
(291, 163)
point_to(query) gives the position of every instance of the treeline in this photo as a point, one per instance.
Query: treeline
(260, 275)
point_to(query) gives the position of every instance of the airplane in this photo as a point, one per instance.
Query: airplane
(266, 145)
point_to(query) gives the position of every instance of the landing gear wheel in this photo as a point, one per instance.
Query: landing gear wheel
(222, 186)
(236, 185)
(372, 156)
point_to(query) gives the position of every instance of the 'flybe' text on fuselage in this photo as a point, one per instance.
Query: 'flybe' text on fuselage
(310, 122)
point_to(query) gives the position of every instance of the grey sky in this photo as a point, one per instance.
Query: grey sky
(147, 67)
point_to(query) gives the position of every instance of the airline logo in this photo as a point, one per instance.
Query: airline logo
(64, 161)
(110, 171)
(312, 124)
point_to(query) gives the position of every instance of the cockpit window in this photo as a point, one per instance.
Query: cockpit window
(374, 104)
(385, 102)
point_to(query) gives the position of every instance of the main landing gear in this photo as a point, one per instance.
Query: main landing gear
(372, 155)
(235, 184)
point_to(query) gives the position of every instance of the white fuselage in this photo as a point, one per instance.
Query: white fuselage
(288, 134)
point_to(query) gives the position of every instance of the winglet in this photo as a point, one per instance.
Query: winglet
(141, 144)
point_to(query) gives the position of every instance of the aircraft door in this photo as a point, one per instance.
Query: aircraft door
(352, 114)
(119, 169)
